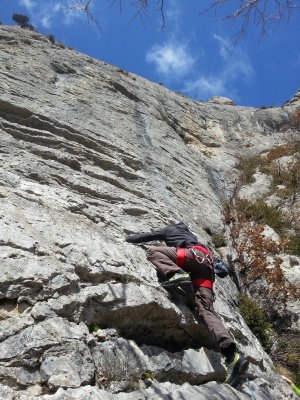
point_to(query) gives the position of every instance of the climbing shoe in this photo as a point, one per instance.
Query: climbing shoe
(235, 369)
(177, 279)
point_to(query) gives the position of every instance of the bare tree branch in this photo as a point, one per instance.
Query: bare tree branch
(263, 13)
(78, 5)
(141, 6)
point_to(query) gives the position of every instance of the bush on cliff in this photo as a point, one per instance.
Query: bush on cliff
(254, 317)
(22, 21)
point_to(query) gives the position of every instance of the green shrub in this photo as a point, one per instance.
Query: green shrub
(295, 118)
(51, 38)
(254, 317)
(287, 353)
(147, 375)
(219, 240)
(294, 245)
(61, 45)
(289, 177)
(248, 167)
(260, 212)
(22, 21)
(26, 41)
(93, 328)
(208, 230)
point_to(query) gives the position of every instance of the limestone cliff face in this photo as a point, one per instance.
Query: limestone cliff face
(90, 153)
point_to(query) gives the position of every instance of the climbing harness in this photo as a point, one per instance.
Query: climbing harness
(217, 265)
(205, 260)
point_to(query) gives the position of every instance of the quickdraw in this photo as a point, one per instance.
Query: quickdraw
(201, 260)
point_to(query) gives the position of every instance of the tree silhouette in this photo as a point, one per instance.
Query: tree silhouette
(22, 21)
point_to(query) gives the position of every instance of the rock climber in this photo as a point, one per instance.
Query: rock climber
(184, 260)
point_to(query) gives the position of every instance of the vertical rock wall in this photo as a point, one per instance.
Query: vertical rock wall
(90, 153)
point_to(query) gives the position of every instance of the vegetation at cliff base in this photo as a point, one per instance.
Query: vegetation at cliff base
(287, 353)
(259, 254)
(278, 207)
(254, 317)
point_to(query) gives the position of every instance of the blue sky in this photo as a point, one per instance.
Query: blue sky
(190, 55)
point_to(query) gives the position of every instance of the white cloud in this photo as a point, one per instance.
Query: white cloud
(29, 4)
(173, 11)
(236, 60)
(235, 65)
(224, 46)
(44, 14)
(73, 15)
(46, 21)
(206, 86)
(171, 58)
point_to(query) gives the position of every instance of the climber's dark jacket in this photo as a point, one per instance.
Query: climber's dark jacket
(177, 235)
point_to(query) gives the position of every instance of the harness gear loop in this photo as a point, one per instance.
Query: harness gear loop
(201, 260)
(180, 256)
(203, 282)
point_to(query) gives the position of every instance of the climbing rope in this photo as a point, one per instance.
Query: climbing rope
(250, 387)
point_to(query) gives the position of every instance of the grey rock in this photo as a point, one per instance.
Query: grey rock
(119, 361)
(41, 310)
(258, 188)
(192, 366)
(11, 326)
(32, 341)
(221, 100)
(294, 99)
(65, 366)
(20, 377)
